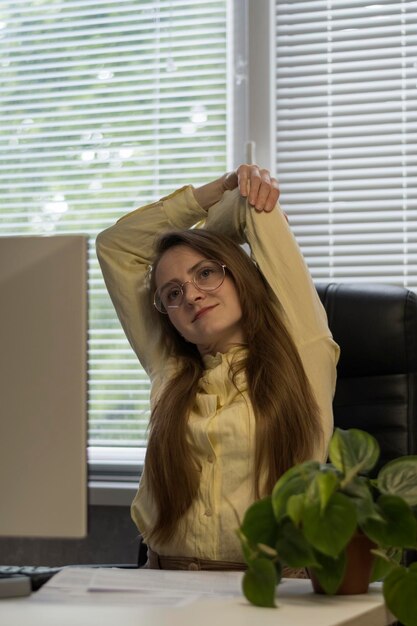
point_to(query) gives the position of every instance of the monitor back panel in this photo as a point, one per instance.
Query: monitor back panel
(43, 386)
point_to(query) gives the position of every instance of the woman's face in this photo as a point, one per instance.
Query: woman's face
(209, 319)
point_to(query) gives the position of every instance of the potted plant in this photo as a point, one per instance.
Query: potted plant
(317, 512)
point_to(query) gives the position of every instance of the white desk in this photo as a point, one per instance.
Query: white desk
(220, 602)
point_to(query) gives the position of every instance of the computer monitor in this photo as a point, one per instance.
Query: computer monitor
(43, 386)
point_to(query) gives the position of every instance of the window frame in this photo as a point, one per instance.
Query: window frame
(251, 69)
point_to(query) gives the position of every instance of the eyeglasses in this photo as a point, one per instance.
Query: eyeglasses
(208, 276)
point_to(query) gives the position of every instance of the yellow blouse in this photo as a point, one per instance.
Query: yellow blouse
(221, 427)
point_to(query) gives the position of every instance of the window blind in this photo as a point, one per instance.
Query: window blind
(104, 107)
(346, 135)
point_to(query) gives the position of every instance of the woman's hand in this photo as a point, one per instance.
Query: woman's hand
(254, 183)
(261, 189)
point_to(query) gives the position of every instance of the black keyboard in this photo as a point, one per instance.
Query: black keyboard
(38, 575)
(20, 580)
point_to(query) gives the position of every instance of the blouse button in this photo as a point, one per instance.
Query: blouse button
(208, 513)
(210, 458)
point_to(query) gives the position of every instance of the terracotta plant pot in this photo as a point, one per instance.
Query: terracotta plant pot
(358, 567)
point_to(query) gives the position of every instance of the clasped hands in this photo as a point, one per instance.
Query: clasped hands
(256, 184)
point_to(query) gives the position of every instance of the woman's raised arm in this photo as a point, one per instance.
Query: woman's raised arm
(125, 251)
(276, 253)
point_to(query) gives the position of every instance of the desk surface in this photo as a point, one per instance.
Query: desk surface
(209, 599)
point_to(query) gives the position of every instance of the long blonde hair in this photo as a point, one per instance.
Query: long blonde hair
(287, 417)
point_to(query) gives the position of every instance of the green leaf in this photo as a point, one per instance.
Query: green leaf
(399, 478)
(398, 527)
(385, 562)
(327, 483)
(292, 482)
(331, 571)
(249, 553)
(360, 494)
(295, 508)
(329, 531)
(292, 546)
(400, 593)
(278, 571)
(259, 583)
(259, 524)
(353, 451)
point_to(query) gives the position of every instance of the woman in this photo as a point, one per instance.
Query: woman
(238, 350)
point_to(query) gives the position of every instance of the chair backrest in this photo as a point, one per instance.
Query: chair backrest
(376, 328)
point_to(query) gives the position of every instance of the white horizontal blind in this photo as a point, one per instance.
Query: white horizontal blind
(106, 106)
(346, 135)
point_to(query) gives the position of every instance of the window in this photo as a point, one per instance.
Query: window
(107, 106)
(346, 140)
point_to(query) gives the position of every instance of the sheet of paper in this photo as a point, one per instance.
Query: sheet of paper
(144, 586)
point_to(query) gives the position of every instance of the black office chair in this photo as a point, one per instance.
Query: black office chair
(376, 328)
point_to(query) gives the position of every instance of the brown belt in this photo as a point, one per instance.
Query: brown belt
(156, 561)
